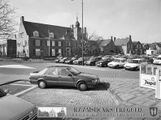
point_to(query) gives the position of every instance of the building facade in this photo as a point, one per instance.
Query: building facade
(124, 45)
(138, 48)
(37, 40)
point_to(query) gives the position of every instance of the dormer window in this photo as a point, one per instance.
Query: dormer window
(36, 34)
(51, 35)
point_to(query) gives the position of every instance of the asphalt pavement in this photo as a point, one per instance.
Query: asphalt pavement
(123, 88)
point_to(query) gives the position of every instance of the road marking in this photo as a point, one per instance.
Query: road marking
(16, 66)
(25, 91)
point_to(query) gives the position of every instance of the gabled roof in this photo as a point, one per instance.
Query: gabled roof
(44, 29)
(135, 43)
(121, 41)
(158, 44)
(104, 43)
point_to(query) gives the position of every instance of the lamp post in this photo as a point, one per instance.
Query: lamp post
(82, 38)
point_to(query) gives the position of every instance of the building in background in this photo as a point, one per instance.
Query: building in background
(156, 46)
(124, 45)
(107, 47)
(8, 48)
(37, 40)
(138, 48)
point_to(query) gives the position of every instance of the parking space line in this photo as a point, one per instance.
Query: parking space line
(25, 91)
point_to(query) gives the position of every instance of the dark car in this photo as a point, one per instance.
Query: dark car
(92, 61)
(63, 76)
(70, 61)
(103, 62)
(14, 108)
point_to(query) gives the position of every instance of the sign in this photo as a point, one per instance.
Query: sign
(150, 77)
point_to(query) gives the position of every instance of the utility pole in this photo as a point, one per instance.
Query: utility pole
(82, 38)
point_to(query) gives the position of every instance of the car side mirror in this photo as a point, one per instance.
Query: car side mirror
(70, 75)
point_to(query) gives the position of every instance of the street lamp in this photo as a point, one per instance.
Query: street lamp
(82, 38)
(82, 41)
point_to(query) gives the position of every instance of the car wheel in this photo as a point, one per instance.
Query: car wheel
(82, 86)
(42, 84)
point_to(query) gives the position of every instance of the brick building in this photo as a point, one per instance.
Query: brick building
(37, 40)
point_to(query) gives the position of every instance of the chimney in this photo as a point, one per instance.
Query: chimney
(129, 37)
(22, 18)
(111, 37)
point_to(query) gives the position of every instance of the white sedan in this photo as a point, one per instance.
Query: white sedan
(134, 64)
(157, 61)
(117, 63)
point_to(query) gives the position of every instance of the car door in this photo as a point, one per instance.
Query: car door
(51, 76)
(65, 77)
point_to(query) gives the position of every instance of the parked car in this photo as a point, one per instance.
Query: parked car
(62, 60)
(157, 61)
(104, 62)
(14, 108)
(117, 63)
(63, 76)
(70, 61)
(92, 61)
(57, 60)
(134, 64)
(79, 61)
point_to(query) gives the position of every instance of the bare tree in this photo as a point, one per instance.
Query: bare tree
(7, 22)
(94, 36)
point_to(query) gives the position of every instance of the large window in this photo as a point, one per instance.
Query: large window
(37, 52)
(53, 43)
(37, 42)
(48, 43)
(60, 51)
(59, 44)
(53, 52)
(36, 34)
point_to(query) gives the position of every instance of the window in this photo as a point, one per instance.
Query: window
(37, 52)
(36, 34)
(59, 43)
(37, 42)
(51, 71)
(60, 51)
(51, 35)
(53, 43)
(53, 52)
(48, 43)
(63, 72)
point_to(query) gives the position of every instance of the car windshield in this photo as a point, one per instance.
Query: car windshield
(73, 70)
(134, 61)
(159, 58)
(119, 60)
(43, 71)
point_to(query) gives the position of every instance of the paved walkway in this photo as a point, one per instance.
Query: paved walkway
(129, 92)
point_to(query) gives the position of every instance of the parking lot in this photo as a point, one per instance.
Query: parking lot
(122, 87)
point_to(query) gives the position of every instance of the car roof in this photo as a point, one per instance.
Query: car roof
(57, 66)
(138, 59)
(120, 58)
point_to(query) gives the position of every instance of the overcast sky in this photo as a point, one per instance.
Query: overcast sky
(120, 18)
